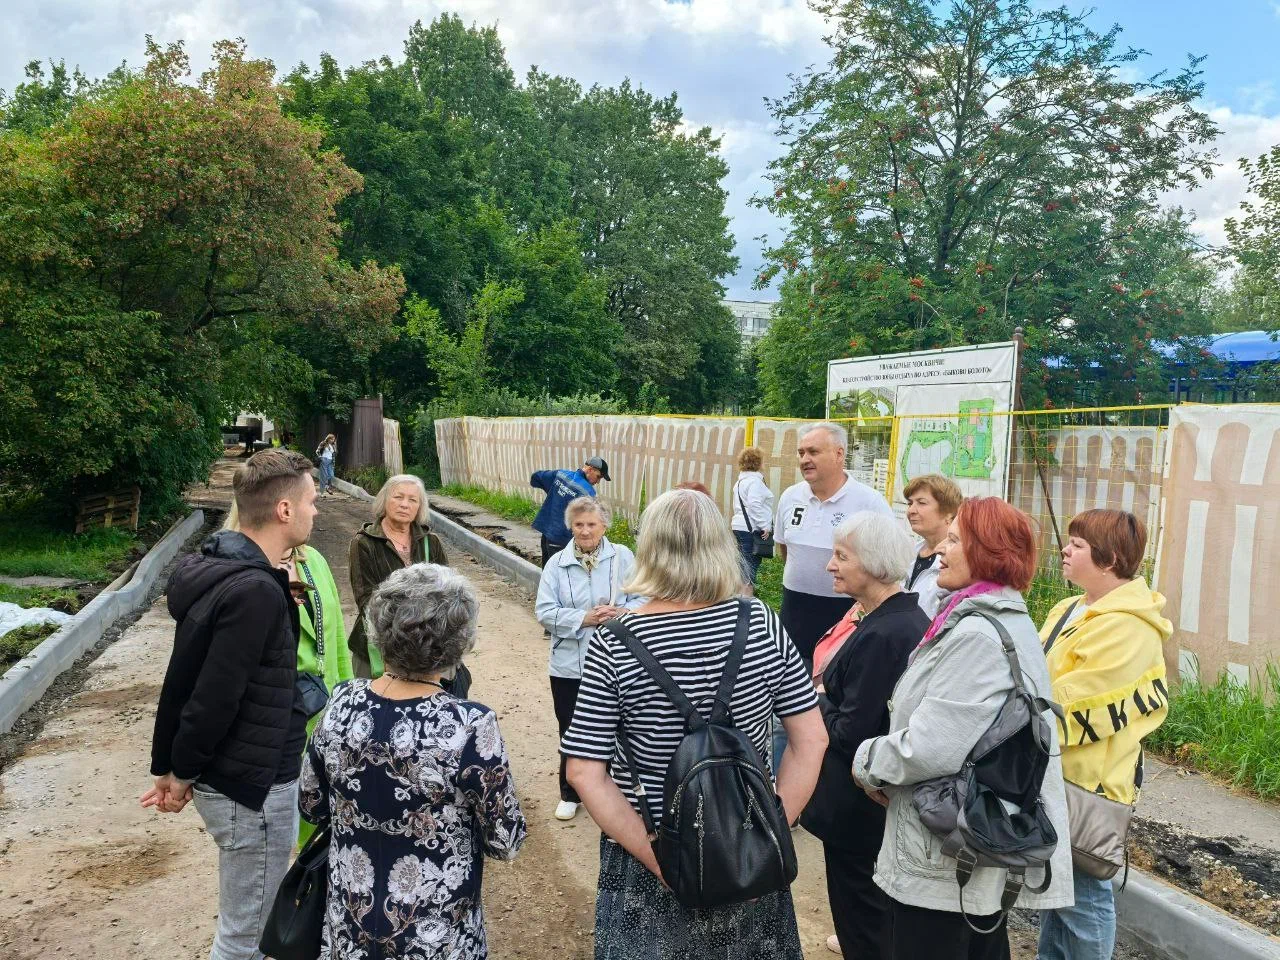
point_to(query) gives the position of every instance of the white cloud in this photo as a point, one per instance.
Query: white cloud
(1242, 135)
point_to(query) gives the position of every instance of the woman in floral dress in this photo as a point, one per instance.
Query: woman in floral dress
(415, 782)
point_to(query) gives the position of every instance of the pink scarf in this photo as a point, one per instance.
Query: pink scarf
(973, 590)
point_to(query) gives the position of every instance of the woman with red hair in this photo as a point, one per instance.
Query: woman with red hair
(955, 683)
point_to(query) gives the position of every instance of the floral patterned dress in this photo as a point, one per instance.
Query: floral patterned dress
(418, 792)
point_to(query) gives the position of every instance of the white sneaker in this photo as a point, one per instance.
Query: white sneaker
(833, 944)
(566, 810)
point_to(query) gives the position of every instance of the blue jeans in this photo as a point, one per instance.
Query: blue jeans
(326, 474)
(254, 850)
(750, 562)
(1086, 931)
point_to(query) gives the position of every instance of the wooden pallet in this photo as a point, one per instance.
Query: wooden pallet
(118, 509)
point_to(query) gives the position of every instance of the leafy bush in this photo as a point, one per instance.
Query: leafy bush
(371, 478)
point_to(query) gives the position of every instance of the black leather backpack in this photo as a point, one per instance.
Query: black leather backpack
(724, 837)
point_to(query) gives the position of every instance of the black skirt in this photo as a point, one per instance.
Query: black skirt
(638, 919)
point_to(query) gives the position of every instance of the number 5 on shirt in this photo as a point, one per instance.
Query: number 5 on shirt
(796, 516)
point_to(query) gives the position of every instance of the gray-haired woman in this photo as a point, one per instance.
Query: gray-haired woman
(396, 537)
(581, 588)
(415, 783)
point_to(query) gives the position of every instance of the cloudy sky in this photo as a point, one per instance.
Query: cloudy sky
(723, 57)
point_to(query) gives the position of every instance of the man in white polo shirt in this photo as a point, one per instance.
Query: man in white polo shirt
(808, 514)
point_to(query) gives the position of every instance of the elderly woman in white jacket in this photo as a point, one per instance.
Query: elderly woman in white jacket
(581, 588)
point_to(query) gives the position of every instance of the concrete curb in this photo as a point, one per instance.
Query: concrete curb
(517, 568)
(1179, 926)
(26, 681)
(350, 489)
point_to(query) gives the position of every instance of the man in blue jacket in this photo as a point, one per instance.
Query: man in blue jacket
(562, 487)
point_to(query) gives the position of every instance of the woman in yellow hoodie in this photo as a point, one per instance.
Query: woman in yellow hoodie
(1106, 661)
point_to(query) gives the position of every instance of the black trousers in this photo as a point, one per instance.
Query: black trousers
(550, 549)
(564, 695)
(859, 908)
(921, 934)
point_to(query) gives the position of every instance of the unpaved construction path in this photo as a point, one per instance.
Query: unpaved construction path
(86, 874)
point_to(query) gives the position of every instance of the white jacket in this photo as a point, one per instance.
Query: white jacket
(757, 496)
(930, 596)
(567, 593)
(949, 695)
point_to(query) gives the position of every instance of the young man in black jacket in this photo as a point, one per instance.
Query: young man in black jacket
(227, 729)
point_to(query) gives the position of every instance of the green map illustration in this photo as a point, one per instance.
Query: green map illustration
(968, 438)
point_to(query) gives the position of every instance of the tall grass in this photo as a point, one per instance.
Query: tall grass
(1227, 729)
(508, 505)
(34, 541)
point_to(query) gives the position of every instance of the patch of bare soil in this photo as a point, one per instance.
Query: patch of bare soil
(1229, 872)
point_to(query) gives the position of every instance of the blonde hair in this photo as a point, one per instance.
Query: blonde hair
(380, 501)
(751, 458)
(685, 552)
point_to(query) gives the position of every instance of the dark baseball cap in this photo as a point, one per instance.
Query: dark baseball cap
(599, 464)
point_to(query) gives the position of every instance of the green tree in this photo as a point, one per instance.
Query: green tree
(958, 170)
(174, 225)
(1254, 237)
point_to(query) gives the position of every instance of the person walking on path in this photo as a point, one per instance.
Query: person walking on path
(396, 537)
(955, 685)
(562, 487)
(752, 510)
(859, 668)
(414, 782)
(581, 588)
(687, 564)
(932, 502)
(326, 454)
(1106, 658)
(226, 730)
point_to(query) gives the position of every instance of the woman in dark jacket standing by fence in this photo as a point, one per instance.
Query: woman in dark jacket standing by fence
(871, 557)
(396, 538)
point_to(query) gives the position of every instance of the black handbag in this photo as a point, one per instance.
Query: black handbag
(296, 922)
(761, 546)
(312, 694)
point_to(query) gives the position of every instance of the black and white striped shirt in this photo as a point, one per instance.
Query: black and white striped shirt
(692, 646)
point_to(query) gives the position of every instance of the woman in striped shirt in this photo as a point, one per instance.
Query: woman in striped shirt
(687, 564)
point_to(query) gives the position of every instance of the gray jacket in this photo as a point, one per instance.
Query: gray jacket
(949, 695)
(567, 593)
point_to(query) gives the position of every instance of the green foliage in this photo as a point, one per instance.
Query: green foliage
(1255, 242)
(162, 247)
(956, 171)
(16, 644)
(1228, 730)
(510, 506)
(68, 601)
(34, 542)
(370, 478)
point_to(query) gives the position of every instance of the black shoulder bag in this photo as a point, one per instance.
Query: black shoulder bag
(724, 837)
(296, 922)
(761, 545)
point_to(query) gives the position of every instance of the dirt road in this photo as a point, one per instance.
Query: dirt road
(85, 872)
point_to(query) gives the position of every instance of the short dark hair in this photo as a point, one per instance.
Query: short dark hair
(265, 479)
(1116, 538)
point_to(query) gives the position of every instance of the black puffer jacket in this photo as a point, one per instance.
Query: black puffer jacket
(226, 707)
